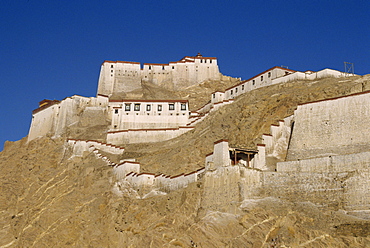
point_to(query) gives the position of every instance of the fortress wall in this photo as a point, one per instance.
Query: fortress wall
(340, 179)
(340, 163)
(144, 135)
(259, 160)
(331, 127)
(250, 182)
(277, 142)
(119, 76)
(221, 189)
(42, 122)
(120, 171)
(319, 188)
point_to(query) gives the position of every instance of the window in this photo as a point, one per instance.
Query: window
(236, 90)
(162, 67)
(269, 75)
(171, 106)
(111, 66)
(116, 111)
(243, 87)
(111, 70)
(214, 95)
(201, 61)
(148, 107)
(127, 106)
(253, 82)
(137, 107)
(210, 61)
(150, 67)
(261, 78)
(231, 92)
(183, 106)
(173, 67)
(159, 107)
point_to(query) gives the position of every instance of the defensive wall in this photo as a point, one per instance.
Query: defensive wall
(328, 172)
(127, 177)
(54, 117)
(145, 135)
(331, 127)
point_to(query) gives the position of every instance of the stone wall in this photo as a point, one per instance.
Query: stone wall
(331, 127)
(144, 135)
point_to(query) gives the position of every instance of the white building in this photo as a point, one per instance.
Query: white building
(121, 76)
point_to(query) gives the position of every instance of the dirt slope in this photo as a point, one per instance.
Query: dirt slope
(48, 199)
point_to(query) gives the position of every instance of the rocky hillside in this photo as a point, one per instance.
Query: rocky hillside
(50, 199)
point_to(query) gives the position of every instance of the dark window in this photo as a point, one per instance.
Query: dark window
(137, 107)
(116, 111)
(173, 67)
(269, 75)
(162, 67)
(210, 61)
(148, 107)
(214, 95)
(111, 66)
(231, 92)
(243, 87)
(253, 82)
(236, 90)
(111, 70)
(159, 107)
(171, 106)
(201, 61)
(127, 106)
(150, 67)
(183, 106)
(261, 78)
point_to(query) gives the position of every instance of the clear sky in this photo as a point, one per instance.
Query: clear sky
(53, 49)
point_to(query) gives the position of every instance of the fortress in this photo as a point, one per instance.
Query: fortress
(320, 151)
(121, 76)
(135, 120)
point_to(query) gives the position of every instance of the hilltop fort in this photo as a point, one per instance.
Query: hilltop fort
(279, 159)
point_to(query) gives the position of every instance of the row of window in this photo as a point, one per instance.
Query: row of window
(137, 106)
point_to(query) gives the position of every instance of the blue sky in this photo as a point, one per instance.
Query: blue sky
(54, 49)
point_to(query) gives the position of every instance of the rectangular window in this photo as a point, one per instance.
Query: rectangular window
(261, 78)
(127, 106)
(137, 107)
(236, 90)
(116, 111)
(183, 106)
(243, 87)
(148, 107)
(269, 75)
(253, 82)
(171, 106)
(231, 92)
(159, 107)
